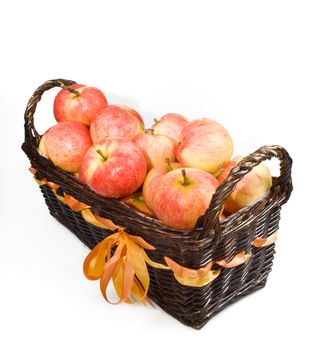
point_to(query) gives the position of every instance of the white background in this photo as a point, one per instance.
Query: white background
(247, 64)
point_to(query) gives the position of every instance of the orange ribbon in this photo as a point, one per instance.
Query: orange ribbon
(121, 257)
(261, 242)
(204, 275)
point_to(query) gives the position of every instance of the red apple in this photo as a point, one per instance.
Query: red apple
(113, 168)
(170, 125)
(152, 178)
(250, 188)
(134, 112)
(82, 107)
(182, 196)
(65, 144)
(156, 148)
(204, 144)
(116, 121)
(137, 202)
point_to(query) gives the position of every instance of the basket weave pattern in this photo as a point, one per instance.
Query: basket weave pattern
(210, 240)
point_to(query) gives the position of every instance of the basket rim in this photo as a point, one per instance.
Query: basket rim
(227, 225)
(208, 225)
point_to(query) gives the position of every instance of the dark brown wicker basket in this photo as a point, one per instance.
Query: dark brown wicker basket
(209, 241)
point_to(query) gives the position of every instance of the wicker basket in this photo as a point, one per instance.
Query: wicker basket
(209, 241)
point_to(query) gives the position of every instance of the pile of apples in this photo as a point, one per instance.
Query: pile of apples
(169, 171)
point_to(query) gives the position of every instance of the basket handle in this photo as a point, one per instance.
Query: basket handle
(282, 184)
(31, 133)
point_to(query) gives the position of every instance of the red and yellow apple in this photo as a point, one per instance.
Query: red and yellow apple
(156, 148)
(170, 125)
(137, 202)
(82, 106)
(65, 144)
(116, 121)
(250, 188)
(134, 112)
(204, 144)
(182, 196)
(152, 178)
(113, 168)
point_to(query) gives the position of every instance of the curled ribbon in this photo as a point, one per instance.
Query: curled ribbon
(121, 257)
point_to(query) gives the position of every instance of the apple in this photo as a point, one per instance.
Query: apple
(114, 168)
(170, 125)
(65, 144)
(82, 106)
(250, 188)
(116, 121)
(204, 144)
(136, 201)
(182, 196)
(152, 179)
(156, 148)
(134, 112)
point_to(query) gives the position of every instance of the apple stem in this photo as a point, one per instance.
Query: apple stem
(156, 120)
(167, 161)
(102, 155)
(150, 131)
(185, 178)
(68, 88)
